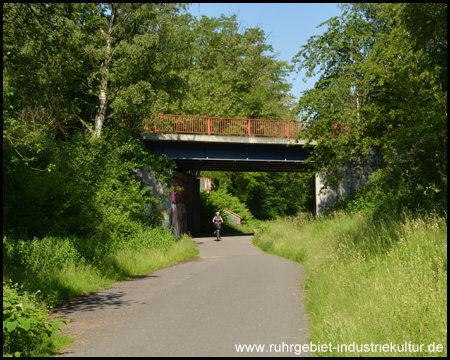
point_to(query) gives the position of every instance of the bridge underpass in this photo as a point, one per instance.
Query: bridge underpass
(196, 152)
(198, 143)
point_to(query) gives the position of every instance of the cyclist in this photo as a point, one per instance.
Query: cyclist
(217, 220)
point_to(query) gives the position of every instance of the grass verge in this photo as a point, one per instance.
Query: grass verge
(53, 270)
(369, 281)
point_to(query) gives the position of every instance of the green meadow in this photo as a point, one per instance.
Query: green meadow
(369, 279)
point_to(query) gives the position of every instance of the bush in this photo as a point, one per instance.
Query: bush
(24, 325)
(33, 254)
(148, 238)
(88, 188)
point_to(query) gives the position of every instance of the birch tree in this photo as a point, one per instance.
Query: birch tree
(126, 57)
(67, 68)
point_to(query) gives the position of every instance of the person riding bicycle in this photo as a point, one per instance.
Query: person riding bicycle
(217, 220)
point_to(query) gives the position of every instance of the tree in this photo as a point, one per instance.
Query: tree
(383, 71)
(234, 74)
(92, 62)
(57, 60)
(142, 54)
(43, 66)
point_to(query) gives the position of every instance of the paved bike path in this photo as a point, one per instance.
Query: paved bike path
(233, 294)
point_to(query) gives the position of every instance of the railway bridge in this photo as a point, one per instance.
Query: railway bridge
(226, 144)
(216, 143)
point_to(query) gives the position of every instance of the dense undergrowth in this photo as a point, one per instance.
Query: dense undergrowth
(369, 279)
(76, 219)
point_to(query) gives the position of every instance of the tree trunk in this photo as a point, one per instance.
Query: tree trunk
(102, 97)
(101, 112)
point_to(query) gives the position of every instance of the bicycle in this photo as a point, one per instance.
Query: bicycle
(218, 226)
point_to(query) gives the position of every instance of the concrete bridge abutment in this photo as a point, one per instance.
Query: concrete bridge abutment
(354, 178)
(180, 209)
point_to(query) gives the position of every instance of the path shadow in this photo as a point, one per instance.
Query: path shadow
(94, 302)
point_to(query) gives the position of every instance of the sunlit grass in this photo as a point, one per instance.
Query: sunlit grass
(74, 280)
(52, 346)
(369, 280)
(130, 263)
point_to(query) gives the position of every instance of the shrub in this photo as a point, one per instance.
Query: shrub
(24, 325)
(34, 254)
(148, 238)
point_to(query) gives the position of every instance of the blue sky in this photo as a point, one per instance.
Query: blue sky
(289, 26)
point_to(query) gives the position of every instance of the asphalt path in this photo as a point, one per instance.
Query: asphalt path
(234, 294)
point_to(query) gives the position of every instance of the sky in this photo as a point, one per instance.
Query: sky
(287, 25)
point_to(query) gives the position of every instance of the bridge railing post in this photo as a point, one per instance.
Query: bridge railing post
(249, 132)
(209, 126)
(287, 129)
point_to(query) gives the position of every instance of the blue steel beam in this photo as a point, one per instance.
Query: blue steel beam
(228, 156)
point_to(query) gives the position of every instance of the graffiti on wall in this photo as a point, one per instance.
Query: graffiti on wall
(175, 208)
(179, 218)
(179, 196)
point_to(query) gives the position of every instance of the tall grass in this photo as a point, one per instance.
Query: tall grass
(58, 269)
(369, 280)
(61, 268)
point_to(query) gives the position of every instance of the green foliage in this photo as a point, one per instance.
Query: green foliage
(71, 186)
(24, 325)
(281, 194)
(153, 238)
(233, 73)
(383, 72)
(65, 57)
(379, 197)
(26, 262)
(125, 263)
(72, 72)
(219, 200)
(79, 187)
(78, 266)
(30, 254)
(57, 181)
(267, 195)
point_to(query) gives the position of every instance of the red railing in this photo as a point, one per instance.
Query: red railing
(340, 129)
(211, 125)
